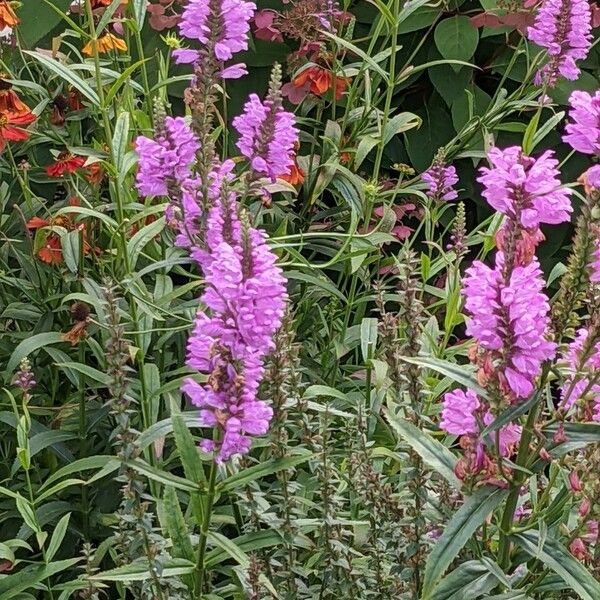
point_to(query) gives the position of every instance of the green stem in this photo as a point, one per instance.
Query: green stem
(200, 570)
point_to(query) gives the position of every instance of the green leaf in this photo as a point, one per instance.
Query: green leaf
(188, 451)
(457, 533)
(250, 542)
(368, 337)
(39, 20)
(57, 537)
(510, 414)
(262, 470)
(137, 243)
(120, 143)
(467, 582)
(30, 345)
(11, 586)
(458, 373)
(89, 372)
(176, 526)
(358, 52)
(433, 453)
(163, 477)
(67, 74)
(83, 464)
(71, 244)
(107, 16)
(314, 391)
(556, 557)
(139, 571)
(400, 123)
(456, 38)
(139, 12)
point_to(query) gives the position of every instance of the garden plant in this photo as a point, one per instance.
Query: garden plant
(299, 299)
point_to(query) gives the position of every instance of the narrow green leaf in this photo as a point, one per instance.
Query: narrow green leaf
(107, 16)
(67, 74)
(163, 477)
(120, 143)
(137, 243)
(30, 345)
(457, 533)
(458, 373)
(89, 372)
(433, 453)
(256, 472)
(83, 464)
(557, 558)
(368, 337)
(139, 12)
(140, 571)
(314, 391)
(25, 579)
(57, 536)
(178, 531)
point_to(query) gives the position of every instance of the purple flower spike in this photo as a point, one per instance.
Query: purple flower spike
(268, 136)
(583, 132)
(441, 180)
(563, 28)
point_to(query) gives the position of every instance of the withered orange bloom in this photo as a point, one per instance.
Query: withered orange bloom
(295, 176)
(10, 127)
(66, 163)
(10, 102)
(321, 80)
(51, 251)
(105, 44)
(8, 18)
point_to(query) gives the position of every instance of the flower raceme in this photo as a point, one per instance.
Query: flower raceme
(222, 27)
(441, 180)
(525, 189)
(582, 386)
(166, 161)
(510, 321)
(563, 28)
(268, 135)
(583, 131)
(246, 297)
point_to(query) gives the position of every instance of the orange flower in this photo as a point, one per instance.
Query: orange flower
(94, 173)
(10, 127)
(295, 176)
(76, 333)
(51, 251)
(10, 102)
(74, 99)
(105, 44)
(7, 15)
(102, 3)
(66, 163)
(321, 80)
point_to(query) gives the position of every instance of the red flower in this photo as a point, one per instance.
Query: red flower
(10, 127)
(66, 163)
(94, 173)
